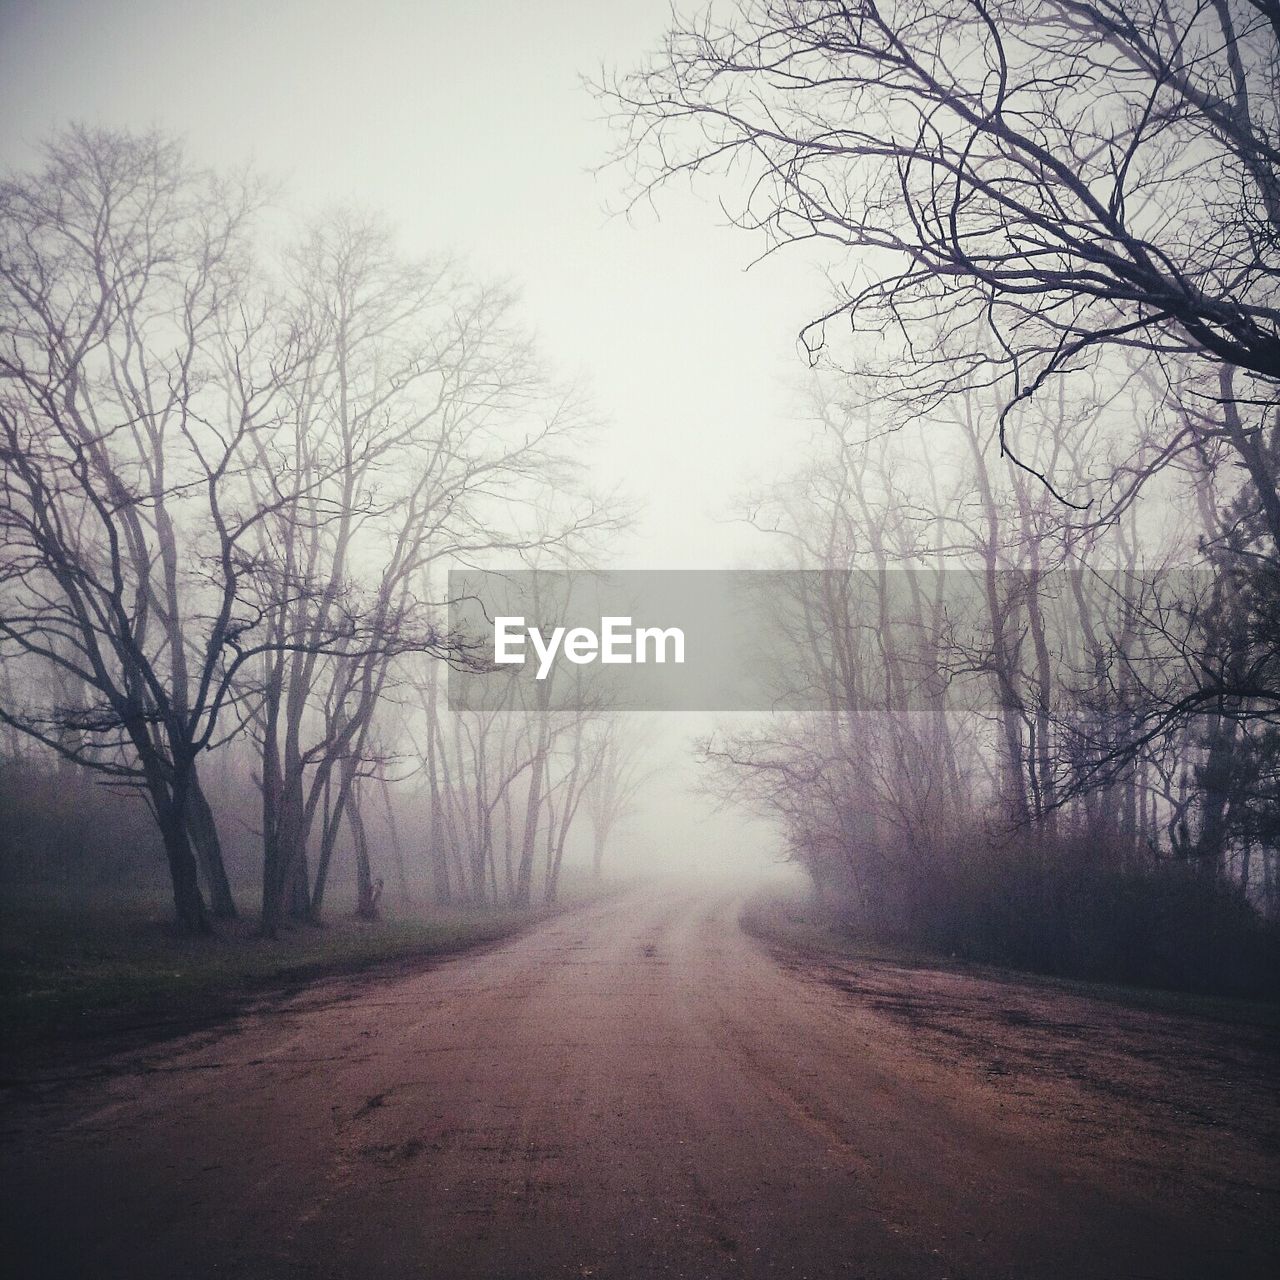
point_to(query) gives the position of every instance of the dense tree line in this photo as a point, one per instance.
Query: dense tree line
(1045, 464)
(235, 457)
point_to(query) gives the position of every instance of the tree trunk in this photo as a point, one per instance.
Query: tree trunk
(188, 901)
(533, 807)
(285, 877)
(367, 895)
(437, 856)
(298, 893)
(203, 831)
(397, 849)
(524, 874)
(1216, 782)
(333, 810)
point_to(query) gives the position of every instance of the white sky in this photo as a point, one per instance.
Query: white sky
(467, 124)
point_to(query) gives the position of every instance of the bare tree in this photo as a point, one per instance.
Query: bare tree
(620, 772)
(1057, 175)
(421, 424)
(127, 536)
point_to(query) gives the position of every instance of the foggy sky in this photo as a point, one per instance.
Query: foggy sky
(468, 125)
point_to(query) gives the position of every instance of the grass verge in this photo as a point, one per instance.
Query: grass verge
(793, 922)
(71, 974)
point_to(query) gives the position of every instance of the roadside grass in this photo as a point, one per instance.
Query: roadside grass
(71, 971)
(792, 921)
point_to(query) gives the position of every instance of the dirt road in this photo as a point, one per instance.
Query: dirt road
(638, 1088)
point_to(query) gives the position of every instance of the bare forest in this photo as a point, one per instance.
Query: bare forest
(1044, 433)
(917, 915)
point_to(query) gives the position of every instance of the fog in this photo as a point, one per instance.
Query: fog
(538, 149)
(639, 640)
(470, 130)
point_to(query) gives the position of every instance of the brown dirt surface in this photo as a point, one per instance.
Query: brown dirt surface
(639, 1088)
